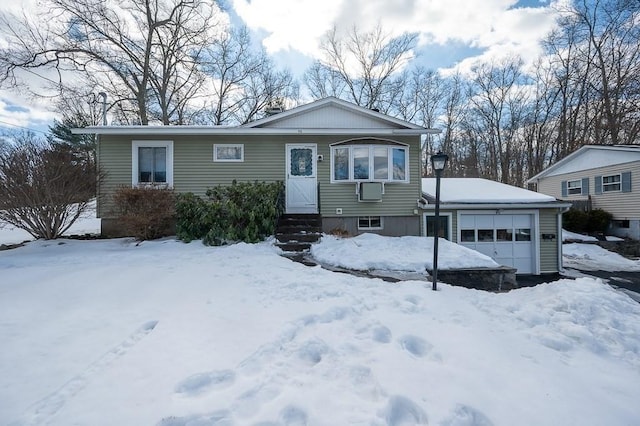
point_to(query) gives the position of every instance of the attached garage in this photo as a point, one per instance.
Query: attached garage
(507, 238)
(516, 227)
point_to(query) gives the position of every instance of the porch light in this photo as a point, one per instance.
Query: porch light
(438, 163)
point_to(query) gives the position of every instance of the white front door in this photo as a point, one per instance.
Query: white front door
(302, 179)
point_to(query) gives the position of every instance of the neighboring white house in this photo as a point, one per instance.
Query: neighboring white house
(514, 226)
(606, 175)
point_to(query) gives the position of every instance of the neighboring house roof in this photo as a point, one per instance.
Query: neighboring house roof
(323, 117)
(483, 193)
(591, 157)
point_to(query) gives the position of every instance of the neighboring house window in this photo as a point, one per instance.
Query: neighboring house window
(620, 182)
(621, 223)
(369, 222)
(369, 163)
(228, 152)
(574, 187)
(611, 183)
(152, 163)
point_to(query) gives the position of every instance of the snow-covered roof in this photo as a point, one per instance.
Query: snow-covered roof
(590, 157)
(480, 191)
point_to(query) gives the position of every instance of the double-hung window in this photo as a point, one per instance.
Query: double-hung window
(152, 163)
(360, 162)
(611, 183)
(574, 187)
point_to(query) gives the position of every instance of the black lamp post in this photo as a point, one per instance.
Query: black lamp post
(438, 163)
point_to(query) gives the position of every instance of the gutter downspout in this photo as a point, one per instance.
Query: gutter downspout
(559, 226)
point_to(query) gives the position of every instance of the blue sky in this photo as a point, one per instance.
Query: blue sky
(452, 33)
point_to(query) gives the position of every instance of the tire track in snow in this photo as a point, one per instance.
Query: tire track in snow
(42, 411)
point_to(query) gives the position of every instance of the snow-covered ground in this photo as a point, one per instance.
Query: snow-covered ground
(87, 224)
(591, 257)
(574, 237)
(111, 332)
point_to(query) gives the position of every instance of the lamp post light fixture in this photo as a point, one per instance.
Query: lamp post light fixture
(438, 163)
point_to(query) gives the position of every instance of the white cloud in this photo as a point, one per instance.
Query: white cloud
(494, 26)
(297, 25)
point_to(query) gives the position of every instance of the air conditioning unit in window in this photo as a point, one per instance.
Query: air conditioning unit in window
(370, 191)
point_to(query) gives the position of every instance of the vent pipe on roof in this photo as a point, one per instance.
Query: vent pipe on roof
(104, 107)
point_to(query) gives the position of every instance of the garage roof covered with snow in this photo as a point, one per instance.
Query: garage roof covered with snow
(480, 191)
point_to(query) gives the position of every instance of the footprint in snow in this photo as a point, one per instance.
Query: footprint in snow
(401, 411)
(312, 351)
(415, 345)
(250, 402)
(202, 382)
(464, 415)
(382, 334)
(218, 418)
(293, 416)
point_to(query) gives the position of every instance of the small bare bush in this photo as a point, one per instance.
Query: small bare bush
(146, 213)
(43, 188)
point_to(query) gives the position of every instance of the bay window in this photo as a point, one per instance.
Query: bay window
(384, 163)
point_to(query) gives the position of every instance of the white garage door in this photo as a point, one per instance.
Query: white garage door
(507, 238)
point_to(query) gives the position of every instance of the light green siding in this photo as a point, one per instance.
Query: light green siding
(115, 162)
(264, 160)
(549, 248)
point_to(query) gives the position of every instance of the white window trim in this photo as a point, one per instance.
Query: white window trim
(371, 228)
(450, 221)
(135, 145)
(371, 148)
(228, 145)
(619, 183)
(578, 187)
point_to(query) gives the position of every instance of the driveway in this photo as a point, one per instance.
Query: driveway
(629, 282)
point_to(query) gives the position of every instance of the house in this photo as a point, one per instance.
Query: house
(514, 226)
(359, 169)
(606, 177)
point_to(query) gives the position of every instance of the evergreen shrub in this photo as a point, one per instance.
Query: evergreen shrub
(242, 211)
(593, 221)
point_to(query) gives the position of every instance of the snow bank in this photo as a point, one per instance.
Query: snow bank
(591, 257)
(415, 254)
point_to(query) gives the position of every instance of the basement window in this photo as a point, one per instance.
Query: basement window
(370, 223)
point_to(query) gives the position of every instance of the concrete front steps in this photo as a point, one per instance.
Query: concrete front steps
(296, 232)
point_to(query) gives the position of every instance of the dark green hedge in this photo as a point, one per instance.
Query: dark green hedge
(243, 211)
(593, 221)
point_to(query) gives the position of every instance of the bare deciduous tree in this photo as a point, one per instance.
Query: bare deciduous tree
(43, 188)
(498, 102)
(364, 68)
(142, 53)
(244, 81)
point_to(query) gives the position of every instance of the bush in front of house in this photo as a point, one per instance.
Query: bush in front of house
(242, 211)
(145, 212)
(593, 221)
(575, 220)
(44, 189)
(599, 221)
